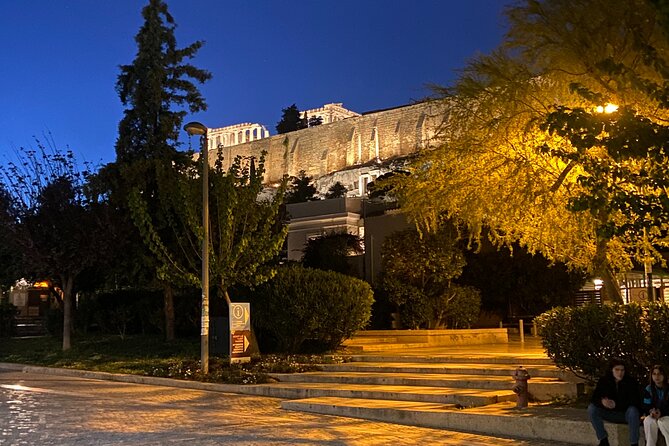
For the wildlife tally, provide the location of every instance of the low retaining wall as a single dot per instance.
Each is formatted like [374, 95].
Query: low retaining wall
[435, 337]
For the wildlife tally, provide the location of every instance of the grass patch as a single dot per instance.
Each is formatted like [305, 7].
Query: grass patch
[152, 356]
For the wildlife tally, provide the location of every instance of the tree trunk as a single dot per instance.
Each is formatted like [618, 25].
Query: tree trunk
[67, 312]
[611, 292]
[168, 308]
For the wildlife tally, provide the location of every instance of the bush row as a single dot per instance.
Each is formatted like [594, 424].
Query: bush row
[134, 311]
[299, 310]
[583, 339]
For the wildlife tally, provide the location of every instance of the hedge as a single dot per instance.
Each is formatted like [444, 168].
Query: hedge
[583, 339]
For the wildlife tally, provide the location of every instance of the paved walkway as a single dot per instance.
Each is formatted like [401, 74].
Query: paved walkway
[48, 410]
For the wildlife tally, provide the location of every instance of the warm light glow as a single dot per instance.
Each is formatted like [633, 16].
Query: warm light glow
[607, 108]
[598, 283]
[42, 284]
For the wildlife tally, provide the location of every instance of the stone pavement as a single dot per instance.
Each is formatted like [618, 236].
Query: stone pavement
[47, 410]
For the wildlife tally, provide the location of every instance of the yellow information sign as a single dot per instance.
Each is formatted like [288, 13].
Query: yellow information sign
[240, 332]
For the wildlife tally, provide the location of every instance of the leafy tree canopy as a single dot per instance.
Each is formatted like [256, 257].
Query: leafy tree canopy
[58, 230]
[418, 274]
[331, 251]
[245, 236]
[314, 121]
[528, 152]
[157, 90]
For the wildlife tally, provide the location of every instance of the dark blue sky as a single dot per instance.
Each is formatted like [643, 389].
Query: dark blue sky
[60, 59]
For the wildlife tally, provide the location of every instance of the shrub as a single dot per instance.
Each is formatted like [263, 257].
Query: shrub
[583, 339]
[461, 306]
[303, 307]
[7, 313]
[122, 312]
[418, 275]
[456, 307]
[333, 252]
[141, 311]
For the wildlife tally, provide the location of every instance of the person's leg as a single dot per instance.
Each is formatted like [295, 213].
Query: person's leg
[663, 425]
[650, 427]
[596, 417]
[632, 417]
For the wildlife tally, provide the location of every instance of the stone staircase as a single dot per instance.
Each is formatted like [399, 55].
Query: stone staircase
[469, 392]
[425, 380]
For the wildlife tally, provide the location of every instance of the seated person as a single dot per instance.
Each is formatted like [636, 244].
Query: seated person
[616, 399]
[656, 405]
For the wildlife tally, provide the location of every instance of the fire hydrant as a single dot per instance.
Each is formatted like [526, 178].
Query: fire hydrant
[520, 387]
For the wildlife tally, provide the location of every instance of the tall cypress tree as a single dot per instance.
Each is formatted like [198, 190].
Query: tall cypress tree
[158, 88]
[153, 86]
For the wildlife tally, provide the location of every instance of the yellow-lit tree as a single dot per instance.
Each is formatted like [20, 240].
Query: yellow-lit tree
[512, 157]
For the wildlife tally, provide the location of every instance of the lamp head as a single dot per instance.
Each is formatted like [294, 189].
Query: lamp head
[195, 128]
[607, 108]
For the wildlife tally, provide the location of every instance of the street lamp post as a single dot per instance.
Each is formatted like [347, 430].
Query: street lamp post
[196, 128]
[648, 268]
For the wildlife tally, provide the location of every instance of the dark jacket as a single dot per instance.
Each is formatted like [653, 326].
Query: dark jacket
[625, 393]
[656, 400]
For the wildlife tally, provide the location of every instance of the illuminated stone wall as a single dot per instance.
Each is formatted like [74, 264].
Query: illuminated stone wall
[338, 146]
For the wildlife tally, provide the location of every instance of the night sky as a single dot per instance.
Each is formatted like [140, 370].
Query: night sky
[59, 59]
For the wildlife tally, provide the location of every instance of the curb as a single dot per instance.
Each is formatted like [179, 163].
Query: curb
[133, 379]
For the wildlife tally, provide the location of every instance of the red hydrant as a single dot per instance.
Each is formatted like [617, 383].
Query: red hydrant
[520, 387]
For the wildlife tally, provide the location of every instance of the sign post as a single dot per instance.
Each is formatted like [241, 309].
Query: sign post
[240, 332]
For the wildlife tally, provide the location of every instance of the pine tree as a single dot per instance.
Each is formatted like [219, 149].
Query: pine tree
[301, 189]
[291, 120]
[337, 190]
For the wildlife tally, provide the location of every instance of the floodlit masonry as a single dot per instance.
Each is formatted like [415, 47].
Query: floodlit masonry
[236, 134]
[351, 150]
[330, 113]
[250, 131]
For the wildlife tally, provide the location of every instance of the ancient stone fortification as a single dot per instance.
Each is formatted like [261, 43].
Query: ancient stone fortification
[365, 140]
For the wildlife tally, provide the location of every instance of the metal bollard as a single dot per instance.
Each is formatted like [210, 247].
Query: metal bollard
[521, 330]
[520, 387]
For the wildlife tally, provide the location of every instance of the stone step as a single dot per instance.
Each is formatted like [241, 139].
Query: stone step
[539, 371]
[29, 326]
[542, 389]
[374, 339]
[554, 426]
[383, 347]
[441, 395]
[509, 359]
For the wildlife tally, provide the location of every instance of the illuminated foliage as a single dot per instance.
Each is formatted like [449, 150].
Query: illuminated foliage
[525, 151]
